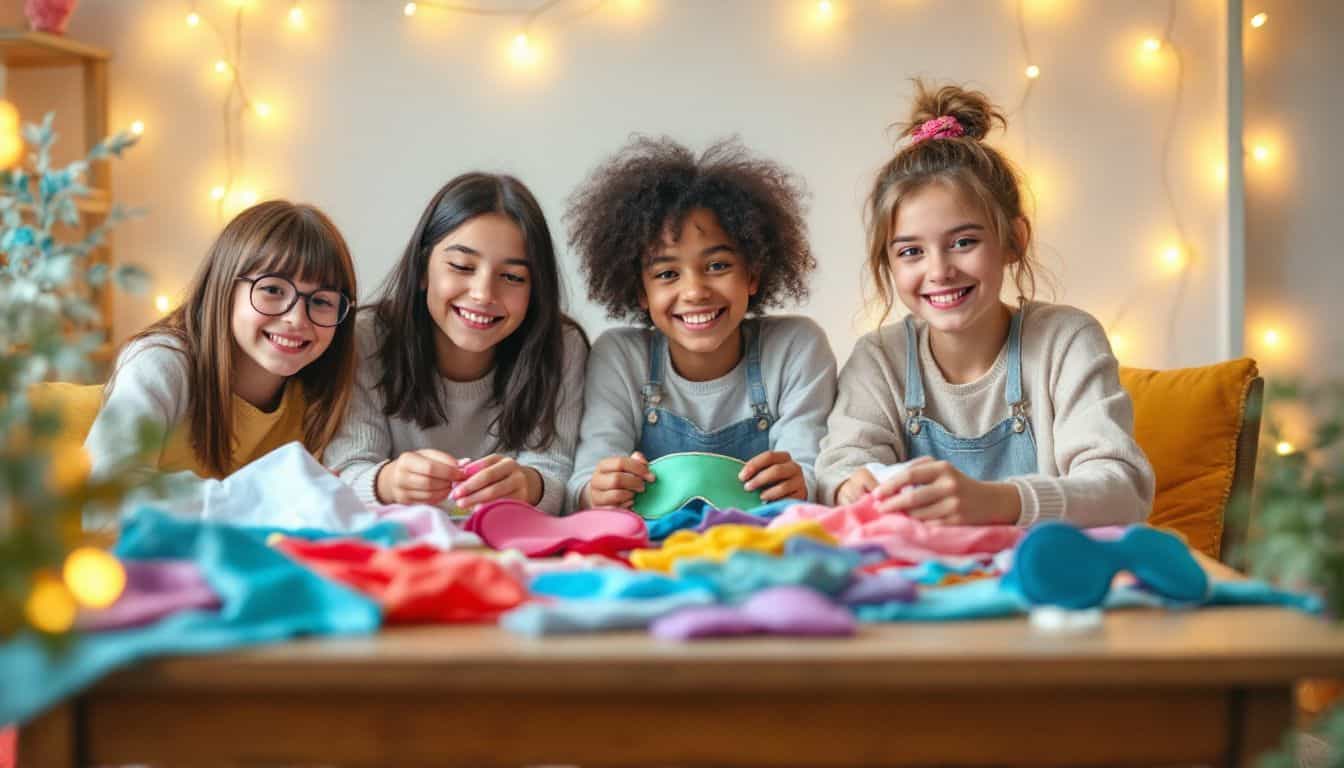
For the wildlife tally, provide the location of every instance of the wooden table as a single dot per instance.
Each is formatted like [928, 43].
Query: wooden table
[1150, 687]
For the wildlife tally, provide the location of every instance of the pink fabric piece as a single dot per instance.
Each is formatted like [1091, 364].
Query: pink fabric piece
[510, 524]
[945, 127]
[154, 589]
[904, 537]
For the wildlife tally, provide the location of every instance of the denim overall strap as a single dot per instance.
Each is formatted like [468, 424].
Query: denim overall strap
[652, 390]
[760, 402]
[1017, 402]
[914, 380]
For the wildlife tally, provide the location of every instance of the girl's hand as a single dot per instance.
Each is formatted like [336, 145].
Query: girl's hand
[616, 481]
[855, 486]
[937, 492]
[497, 477]
[777, 473]
[417, 477]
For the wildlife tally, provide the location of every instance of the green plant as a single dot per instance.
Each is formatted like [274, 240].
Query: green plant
[1296, 519]
[48, 329]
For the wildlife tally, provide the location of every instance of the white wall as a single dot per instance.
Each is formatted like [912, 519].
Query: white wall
[375, 110]
[1294, 230]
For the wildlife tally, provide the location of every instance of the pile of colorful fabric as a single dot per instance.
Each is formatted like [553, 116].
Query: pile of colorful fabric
[784, 568]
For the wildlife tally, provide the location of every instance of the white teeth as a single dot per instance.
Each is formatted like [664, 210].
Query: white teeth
[700, 318]
[282, 341]
[476, 317]
[948, 298]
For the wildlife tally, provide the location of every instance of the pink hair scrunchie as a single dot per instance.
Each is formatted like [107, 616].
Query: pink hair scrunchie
[945, 127]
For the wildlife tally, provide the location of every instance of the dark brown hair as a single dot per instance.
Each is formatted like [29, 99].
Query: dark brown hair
[529, 363]
[619, 215]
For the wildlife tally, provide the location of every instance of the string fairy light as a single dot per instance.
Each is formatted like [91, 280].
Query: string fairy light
[1177, 258]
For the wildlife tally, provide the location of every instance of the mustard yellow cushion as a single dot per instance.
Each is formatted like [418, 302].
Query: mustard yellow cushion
[78, 406]
[1187, 421]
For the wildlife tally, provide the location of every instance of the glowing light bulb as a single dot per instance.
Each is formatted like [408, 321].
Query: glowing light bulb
[296, 16]
[1260, 153]
[193, 19]
[262, 109]
[522, 52]
[1259, 19]
[1284, 448]
[50, 607]
[1152, 45]
[1173, 258]
[222, 67]
[1033, 72]
[94, 577]
[1220, 173]
[138, 127]
[11, 141]
[825, 8]
[249, 197]
[162, 304]
[217, 193]
[1118, 342]
[408, 9]
[1271, 337]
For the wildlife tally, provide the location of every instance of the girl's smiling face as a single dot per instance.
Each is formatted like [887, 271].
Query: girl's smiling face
[477, 288]
[946, 263]
[696, 287]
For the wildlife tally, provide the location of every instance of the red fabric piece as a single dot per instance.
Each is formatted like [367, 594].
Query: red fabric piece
[511, 524]
[414, 583]
[9, 743]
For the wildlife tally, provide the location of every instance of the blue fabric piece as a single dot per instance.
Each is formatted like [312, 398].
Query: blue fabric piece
[578, 616]
[265, 597]
[693, 512]
[932, 572]
[611, 584]
[746, 572]
[1058, 564]
[852, 556]
[987, 599]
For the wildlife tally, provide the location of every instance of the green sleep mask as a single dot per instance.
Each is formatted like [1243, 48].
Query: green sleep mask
[683, 477]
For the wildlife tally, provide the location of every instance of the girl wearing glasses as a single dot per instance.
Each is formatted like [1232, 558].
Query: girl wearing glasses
[470, 385]
[261, 352]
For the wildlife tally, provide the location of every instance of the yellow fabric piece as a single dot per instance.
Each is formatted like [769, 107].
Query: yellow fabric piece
[719, 542]
[1187, 421]
[255, 432]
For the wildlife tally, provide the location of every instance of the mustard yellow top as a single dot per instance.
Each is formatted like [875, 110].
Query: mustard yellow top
[151, 385]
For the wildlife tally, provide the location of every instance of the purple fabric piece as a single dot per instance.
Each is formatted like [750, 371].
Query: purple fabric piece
[715, 517]
[871, 553]
[788, 610]
[881, 587]
[154, 589]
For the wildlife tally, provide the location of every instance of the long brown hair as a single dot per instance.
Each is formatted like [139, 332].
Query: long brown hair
[278, 236]
[529, 363]
[966, 163]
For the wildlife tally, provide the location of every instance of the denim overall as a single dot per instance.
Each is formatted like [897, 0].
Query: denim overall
[665, 432]
[1007, 450]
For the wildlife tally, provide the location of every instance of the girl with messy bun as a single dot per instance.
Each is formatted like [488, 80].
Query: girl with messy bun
[1007, 413]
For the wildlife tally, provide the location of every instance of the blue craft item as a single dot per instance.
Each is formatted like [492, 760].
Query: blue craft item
[1057, 564]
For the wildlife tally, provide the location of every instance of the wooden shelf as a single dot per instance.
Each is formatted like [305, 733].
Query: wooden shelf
[23, 48]
[97, 203]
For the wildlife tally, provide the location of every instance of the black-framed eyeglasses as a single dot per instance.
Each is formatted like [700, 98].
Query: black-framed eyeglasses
[274, 295]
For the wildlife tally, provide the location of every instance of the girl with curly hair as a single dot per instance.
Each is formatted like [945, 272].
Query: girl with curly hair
[697, 249]
[1011, 414]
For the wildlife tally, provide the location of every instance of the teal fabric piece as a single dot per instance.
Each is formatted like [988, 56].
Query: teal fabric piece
[581, 616]
[744, 573]
[611, 584]
[692, 514]
[682, 477]
[265, 597]
[1058, 564]
[987, 598]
